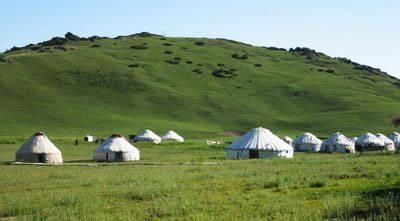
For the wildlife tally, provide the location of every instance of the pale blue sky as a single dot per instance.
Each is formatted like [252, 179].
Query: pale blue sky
[365, 31]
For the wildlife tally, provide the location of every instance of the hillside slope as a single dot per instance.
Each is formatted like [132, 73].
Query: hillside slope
[199, 87]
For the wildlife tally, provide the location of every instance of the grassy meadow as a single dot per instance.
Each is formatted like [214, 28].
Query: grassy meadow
[194, 181]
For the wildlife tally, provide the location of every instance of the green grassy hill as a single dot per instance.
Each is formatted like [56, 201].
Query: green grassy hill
[197, 86]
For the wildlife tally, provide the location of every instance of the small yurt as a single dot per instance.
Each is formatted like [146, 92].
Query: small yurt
[395, 137]
[389, 144]
[288, 140]
[307, 142]
[172, 136]
[116, 148]
[259, 143]
[338, 143]
[39, 149]
[147, 136]
[369, 141]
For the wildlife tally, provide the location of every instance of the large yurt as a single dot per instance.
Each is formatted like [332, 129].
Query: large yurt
[307, 142]
[338, 143]
[116, 148]
[288, 140]
[395, 137]
[39, 149]
[172, 136]
[389, 144]
[147, 136]
[259, 143]
[369, 141]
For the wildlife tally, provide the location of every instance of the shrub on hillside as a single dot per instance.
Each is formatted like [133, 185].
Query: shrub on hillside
[189, 62]
[177, 58]
[257, 65]
[35, 47]
[200, 43]
[95, 46]
[184, 48]
[134, 65]
[222, 73]
[241, 57]
[233, 69]
[172, 62]
[168, 52]
[167, 44]
[200, 65]
[60, 47]
[220, 65]
[330, 71]
[198, 71]
[144, 35]
[139, 47]
[71, 37]
[163, 38]
[54, 41]
[275, 49]
[93, 38]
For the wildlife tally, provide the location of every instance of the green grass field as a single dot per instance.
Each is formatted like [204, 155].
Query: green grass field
[194, 181]
[167, 83]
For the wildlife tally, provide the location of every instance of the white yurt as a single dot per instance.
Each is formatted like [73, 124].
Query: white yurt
[395, 137]
[259, 143]
[389, 144]
[39, 149]
[148, 136]
[307, 142]
[116, 148]
[172, 136]
[338, 143]
[369, 141]
[288, 140]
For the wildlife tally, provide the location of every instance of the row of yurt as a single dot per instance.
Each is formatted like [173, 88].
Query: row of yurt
[340, 143]
[39, 149]
[259, 143]
[150, 136]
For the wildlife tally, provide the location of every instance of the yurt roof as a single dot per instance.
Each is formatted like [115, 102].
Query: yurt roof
[148, 134]
[39, 143]
[307, 138]
[172, 135]
[260, 139]
[116, 143]
[369, 139]
[384, 138]
[338, 138]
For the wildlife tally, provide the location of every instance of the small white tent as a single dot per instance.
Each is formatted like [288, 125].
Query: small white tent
[116, 148]
[288, 140]
[307, 142]
[259, 143]
[39, 149]
[389, 144]
[148, 136]
[369, 141]
[173, 136]
[395, 137]
[338, 143]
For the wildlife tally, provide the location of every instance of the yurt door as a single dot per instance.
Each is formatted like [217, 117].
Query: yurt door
[42, 158]
[118, 156]
[253, 154]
